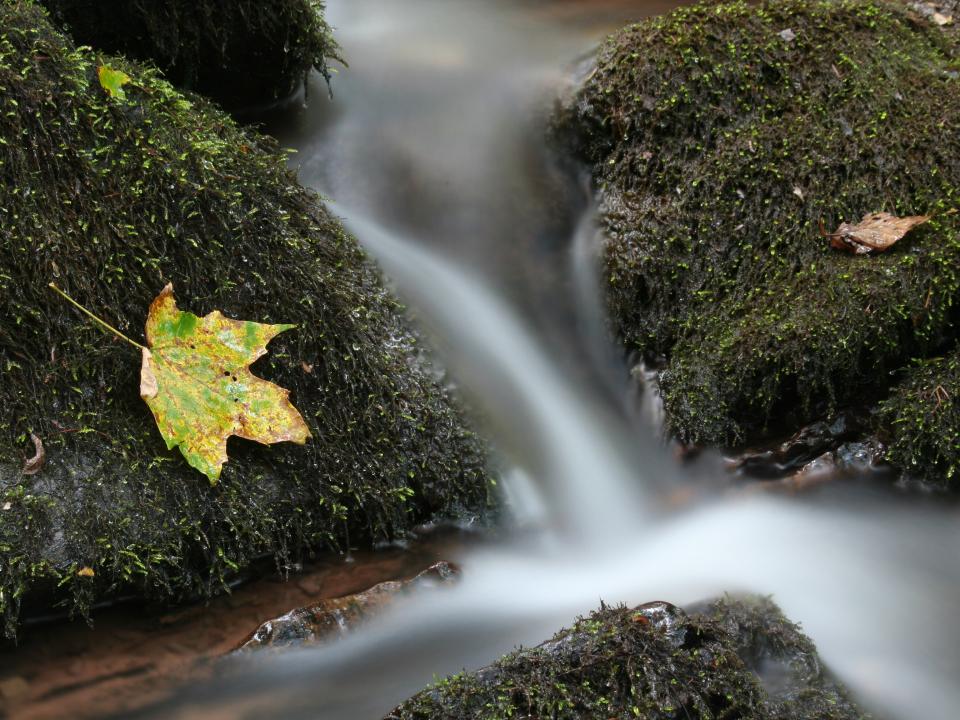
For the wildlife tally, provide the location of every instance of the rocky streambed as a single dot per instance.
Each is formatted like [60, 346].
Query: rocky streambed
[137, 654]
[722, 143]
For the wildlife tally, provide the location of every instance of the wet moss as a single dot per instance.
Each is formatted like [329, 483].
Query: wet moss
[654, 662]
[240, 53]
[720, 137]
[810, 340]
[112, 198]
[922, 416]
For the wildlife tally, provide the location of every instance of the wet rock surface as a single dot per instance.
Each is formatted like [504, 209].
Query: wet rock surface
[112, 198]
[940, 13]
[845, 446]
[823, 450]
[330, 619]
[135, 655]
[725, 659]
[719, 143]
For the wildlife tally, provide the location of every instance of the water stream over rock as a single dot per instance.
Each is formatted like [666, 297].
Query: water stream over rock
[434, 153]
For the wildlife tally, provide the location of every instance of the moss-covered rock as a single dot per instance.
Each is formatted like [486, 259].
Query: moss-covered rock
[922, 416]
[654, 663]
[721, 135]
[241, 53]
[112, 198]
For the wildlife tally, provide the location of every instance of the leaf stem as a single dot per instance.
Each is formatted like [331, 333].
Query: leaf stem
[93, 317]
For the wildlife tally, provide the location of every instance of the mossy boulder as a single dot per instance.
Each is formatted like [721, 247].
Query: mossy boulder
[112, 198]
[241, 53]
[721, 136]
[654, 662]
[922, 416]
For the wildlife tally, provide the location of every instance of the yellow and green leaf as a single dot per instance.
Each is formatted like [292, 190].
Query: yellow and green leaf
[113, 81]
[196, 379]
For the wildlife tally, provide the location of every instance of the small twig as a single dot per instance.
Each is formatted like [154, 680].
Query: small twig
[93, 317]
[941, 395]
[32, 466]
[824, 233]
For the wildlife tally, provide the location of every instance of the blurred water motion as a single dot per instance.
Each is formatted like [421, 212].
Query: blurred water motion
[433, 149]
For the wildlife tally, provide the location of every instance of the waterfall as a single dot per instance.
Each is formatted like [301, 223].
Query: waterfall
[433, 151]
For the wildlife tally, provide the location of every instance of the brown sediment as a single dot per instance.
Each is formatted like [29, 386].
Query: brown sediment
[133, 657]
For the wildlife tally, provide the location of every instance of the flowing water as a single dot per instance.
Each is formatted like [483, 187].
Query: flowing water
[433, 152]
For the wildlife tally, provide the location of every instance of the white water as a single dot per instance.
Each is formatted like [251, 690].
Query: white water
[430, 152]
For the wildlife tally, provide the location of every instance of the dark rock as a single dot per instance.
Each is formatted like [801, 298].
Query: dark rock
[727, 659]
[939, 13]
[240, 53]
[796, 683]
[329, 619]
[718, 148]
[665, 618]
[820, 467]
[807, 446]
[859, 456]
[809, 441]
[114, 198]
[922, 420]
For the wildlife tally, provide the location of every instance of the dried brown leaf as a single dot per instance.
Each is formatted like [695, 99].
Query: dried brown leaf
[876, 232]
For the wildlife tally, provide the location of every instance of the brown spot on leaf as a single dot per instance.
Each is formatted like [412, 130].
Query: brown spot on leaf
[148, 378]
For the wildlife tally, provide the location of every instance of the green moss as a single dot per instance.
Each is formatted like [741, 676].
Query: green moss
[718, 147]
[922, 416]
[651, 663]
[806, 341]
[241, 53]
[112, 199]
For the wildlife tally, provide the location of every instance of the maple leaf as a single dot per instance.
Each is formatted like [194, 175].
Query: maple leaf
[197, 382]
[112, 81]
[876, 232]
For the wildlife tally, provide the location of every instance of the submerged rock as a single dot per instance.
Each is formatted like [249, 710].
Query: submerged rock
[727, 659]
[112, 198]
[329, 619]
[817, 452]
[241, 53]
[719, 145]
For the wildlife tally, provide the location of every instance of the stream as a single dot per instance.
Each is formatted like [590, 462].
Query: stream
[433, 151]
